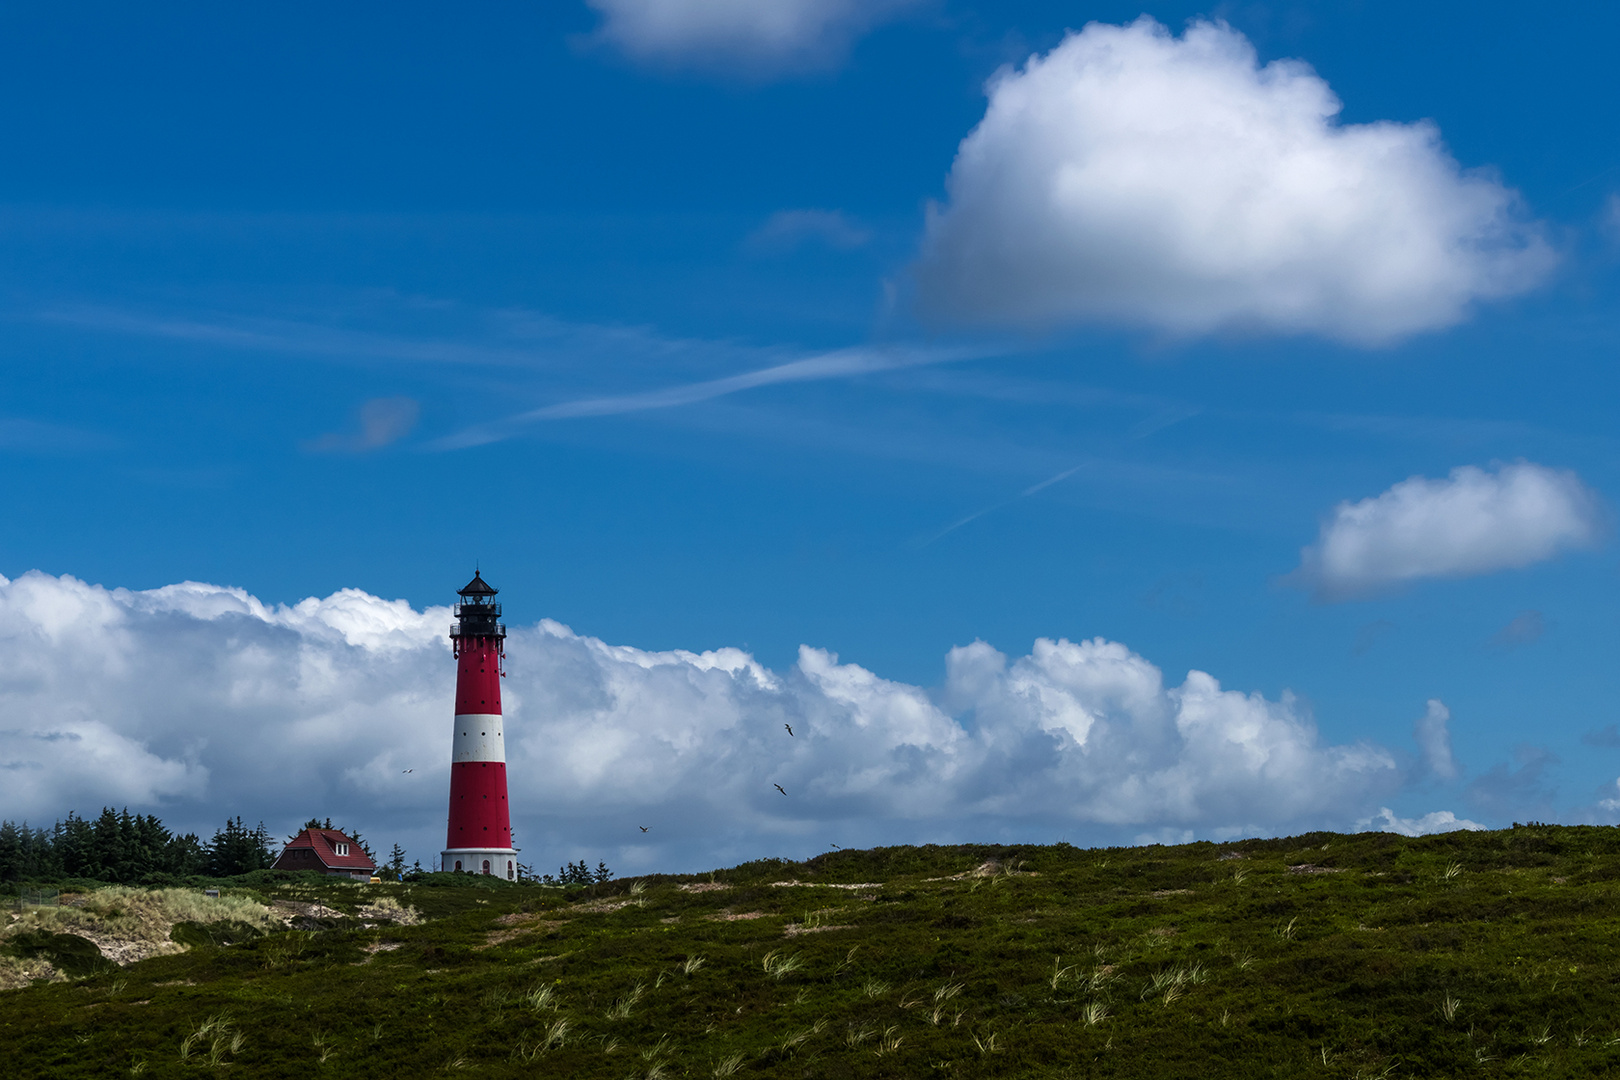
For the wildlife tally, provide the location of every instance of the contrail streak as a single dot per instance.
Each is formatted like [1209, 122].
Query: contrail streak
[1026, 493]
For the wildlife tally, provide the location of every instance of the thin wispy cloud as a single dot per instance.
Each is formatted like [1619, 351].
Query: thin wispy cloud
[21, 435]
[518, 338]
[839, 364]
[282, 336]
[383, 421]
[493, 337]
[786, 230]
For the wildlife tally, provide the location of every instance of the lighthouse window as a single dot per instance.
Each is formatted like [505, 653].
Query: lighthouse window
[486, 866]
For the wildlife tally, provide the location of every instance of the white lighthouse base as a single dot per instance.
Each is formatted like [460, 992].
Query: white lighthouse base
[497, 862]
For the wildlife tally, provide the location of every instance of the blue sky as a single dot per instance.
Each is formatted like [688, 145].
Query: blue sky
[696, 339]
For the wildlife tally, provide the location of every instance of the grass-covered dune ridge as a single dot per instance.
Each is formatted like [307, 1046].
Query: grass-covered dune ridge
[124, 924]
[1468, 954]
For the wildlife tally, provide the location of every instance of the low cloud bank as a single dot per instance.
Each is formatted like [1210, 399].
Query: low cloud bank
[196, 701]
[1134, 177]
[1440, 821]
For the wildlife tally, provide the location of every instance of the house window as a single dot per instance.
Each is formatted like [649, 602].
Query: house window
[343, 849]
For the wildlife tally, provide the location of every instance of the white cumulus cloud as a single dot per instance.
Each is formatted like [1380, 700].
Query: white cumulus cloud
[198, 701]
[1133, 177]
[751, 36]
[1472, 522]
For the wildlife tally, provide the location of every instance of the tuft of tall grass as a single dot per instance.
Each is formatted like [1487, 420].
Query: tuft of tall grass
[285, 949]
[800, 1037]
[1094, 1013]
[1172, 982]
[620, 1009]
[692, 964]
[543, 996]
[1099, 979]
[777, 965]
[728, 1066]
[214, 1038]
[874, 988]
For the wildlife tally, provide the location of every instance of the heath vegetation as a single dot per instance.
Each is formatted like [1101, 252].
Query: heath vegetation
[1489, 954]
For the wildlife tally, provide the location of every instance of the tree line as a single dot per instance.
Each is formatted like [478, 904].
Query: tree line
[121, 848]
[129, 849]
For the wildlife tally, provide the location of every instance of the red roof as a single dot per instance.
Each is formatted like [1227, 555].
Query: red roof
[320, 846]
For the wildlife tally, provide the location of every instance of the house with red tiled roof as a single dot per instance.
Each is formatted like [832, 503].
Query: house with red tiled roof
[326, 851]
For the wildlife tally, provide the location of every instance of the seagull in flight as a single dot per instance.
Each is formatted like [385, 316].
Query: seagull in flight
[407, 770]
[778, 787]
[643, 828]
[790, 729]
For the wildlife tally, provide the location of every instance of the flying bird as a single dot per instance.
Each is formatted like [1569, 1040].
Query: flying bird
[790, 729]
[778, 787]
[407, 770]
[643, 828]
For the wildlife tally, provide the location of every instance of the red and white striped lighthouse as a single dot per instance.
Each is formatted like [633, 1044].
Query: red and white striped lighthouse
[479, 839]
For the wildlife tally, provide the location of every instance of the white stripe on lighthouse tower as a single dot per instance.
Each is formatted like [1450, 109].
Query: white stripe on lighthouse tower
[478, 738]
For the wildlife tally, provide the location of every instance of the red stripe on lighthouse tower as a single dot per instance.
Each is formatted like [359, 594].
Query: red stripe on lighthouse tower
[479, 834]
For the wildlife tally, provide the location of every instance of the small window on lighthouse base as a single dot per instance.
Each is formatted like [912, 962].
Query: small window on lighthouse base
[486, 866]
[509, 874]
[458, 866]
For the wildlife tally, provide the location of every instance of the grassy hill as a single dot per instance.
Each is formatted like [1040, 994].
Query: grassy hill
[1463, 955]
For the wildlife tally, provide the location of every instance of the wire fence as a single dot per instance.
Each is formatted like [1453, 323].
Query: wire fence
[28, 898]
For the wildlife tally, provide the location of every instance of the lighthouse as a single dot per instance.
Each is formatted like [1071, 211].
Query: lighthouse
[479, 838]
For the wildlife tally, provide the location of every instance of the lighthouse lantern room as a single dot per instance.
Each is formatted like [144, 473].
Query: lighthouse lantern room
[479, 838]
